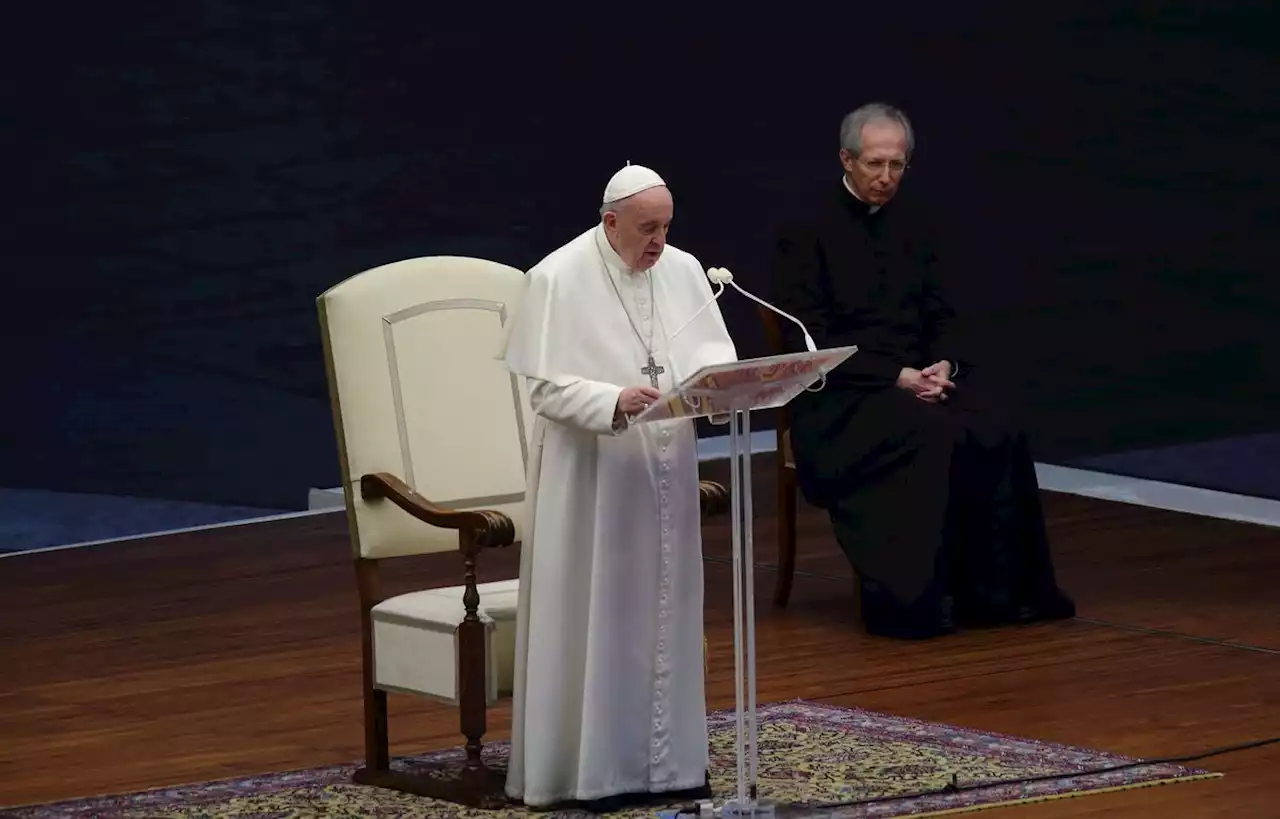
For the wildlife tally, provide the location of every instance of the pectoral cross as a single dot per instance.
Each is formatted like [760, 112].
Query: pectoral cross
[653, 371]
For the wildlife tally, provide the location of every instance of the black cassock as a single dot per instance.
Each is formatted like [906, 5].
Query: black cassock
[936, 505]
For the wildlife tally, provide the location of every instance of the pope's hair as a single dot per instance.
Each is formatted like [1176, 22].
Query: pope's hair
[613, 207]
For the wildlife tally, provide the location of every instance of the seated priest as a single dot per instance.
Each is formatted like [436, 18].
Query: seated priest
[930, 486]
[609, 705]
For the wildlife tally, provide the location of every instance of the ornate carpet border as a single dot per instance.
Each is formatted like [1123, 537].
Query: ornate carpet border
[1076, 771]
[1082, 770]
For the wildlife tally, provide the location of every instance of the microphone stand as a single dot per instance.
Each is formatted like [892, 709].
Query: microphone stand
[746, 803]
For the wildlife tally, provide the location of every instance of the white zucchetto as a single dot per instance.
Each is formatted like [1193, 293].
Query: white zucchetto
[629, 181]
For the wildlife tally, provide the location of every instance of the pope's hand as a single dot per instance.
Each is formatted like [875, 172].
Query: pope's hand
[634, 400]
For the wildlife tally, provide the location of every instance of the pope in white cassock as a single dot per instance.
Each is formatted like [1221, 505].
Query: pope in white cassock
[609, 698]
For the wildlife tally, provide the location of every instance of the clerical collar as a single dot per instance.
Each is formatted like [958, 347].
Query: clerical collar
[611, 257]
[870, 208]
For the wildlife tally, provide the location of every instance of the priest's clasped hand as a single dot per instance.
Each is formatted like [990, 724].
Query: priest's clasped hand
[930, 384]
[634, 400]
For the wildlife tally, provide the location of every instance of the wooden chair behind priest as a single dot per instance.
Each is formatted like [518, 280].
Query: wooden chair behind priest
[788, 488]
[433, 437]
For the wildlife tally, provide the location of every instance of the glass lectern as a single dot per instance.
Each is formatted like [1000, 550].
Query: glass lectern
[735, 389]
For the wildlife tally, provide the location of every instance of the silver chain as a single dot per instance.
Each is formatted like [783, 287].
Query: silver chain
[648, 347]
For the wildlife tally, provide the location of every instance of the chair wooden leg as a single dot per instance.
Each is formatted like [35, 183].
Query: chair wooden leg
[377, 746]
[786, 536]
[472, 681]
[473, 784]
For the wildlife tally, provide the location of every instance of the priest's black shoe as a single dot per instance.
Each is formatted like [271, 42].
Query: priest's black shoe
[989, 613]
[1054, 604]
[932, 615]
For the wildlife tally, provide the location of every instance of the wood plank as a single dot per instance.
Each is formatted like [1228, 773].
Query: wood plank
[1124, 564]
[235, 651]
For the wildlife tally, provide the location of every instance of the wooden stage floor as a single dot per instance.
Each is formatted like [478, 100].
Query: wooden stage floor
[235, 651]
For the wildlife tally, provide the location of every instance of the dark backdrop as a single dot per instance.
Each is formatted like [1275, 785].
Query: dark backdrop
[184, 181]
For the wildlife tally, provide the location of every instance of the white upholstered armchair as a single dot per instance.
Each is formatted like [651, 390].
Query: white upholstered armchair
[432, 440]
[433, 434]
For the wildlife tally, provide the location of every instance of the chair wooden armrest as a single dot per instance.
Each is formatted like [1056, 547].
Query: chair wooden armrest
[475, 785]
[714, 498]
[486, 528]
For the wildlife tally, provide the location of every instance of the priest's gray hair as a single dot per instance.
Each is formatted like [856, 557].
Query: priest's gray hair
[853, 123]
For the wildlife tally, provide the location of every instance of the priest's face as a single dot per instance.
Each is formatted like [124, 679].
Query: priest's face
[637, 230]
[876, 172]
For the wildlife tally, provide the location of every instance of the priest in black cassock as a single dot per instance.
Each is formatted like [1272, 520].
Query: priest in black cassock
[930, 485]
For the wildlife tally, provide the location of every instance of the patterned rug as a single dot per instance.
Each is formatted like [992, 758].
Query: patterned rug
[810, 755]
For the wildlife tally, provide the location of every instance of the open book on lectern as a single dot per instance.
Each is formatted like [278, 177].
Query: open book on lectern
[753, 384]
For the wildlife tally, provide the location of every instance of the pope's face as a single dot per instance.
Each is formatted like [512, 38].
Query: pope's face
[876, 174]
[638, 228]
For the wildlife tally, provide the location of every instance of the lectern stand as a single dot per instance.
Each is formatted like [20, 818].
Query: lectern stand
[735, 390]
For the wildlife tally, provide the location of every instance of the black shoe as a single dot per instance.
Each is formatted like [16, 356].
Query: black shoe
[626, 801]
[979, 607]
[932, 615]
[1052, 605]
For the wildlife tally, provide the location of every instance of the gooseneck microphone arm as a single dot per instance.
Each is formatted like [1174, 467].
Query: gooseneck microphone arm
[720, 277]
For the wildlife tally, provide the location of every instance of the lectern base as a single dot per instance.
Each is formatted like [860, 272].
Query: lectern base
[760, 809]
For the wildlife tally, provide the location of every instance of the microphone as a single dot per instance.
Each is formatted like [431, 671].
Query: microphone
[721, 276]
